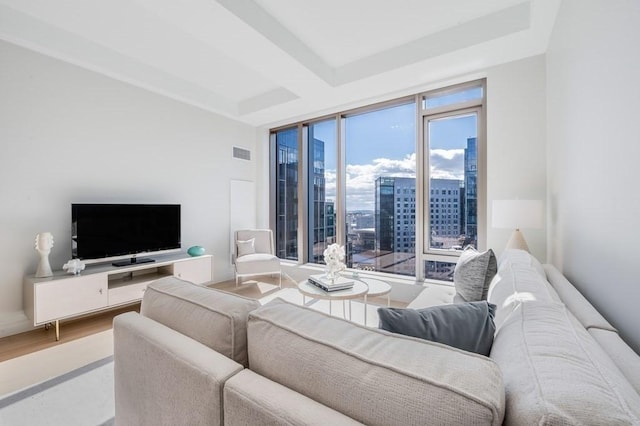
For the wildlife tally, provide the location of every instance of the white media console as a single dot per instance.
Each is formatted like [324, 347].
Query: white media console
[104, 287]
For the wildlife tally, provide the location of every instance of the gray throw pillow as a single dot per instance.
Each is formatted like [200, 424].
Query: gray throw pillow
[473, 274]
[466, 326]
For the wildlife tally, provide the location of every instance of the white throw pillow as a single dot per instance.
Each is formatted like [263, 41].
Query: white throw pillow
[246, 247]
[473, 274]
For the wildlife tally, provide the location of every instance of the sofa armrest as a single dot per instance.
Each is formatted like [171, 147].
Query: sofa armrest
[621, 354]
[579, 306]
[163, 377]
[251, 399]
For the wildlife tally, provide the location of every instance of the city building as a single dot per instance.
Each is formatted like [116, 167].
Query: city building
[445, 205]
[395, 214]
[470, 204]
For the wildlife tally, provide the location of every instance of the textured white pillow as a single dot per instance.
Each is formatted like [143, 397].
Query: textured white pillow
[473, 274]
[246, 247]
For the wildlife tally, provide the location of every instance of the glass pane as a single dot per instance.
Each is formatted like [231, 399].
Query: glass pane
[442, 271]
[381, 190]
[321, 138]
[437, 100]
[287, 194]
[452, 182]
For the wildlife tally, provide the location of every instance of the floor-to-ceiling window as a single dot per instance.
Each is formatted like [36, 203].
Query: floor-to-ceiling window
[380, 189]
[451, 123]
[320, 139]
[399, 184]
[286, 192]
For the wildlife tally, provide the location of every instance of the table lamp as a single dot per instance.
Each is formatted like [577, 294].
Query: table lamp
[517, 214]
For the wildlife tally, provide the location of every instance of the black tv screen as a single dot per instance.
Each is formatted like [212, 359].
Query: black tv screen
[118, 230]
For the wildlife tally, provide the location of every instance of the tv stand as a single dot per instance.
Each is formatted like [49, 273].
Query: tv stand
[98, 288]
[133, 261]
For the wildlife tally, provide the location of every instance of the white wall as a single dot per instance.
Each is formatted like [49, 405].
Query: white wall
[516, 139]
[593, 71]
[70, 135]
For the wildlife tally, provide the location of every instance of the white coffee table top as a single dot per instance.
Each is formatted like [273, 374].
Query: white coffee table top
[358, 290]
[376, 287]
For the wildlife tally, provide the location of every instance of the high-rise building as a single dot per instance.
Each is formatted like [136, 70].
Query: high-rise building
[471, 192]
[395, 214]
[445, 212]
[287, 195]
[322, 220]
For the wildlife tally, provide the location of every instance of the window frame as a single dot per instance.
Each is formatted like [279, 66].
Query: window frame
[422, 213]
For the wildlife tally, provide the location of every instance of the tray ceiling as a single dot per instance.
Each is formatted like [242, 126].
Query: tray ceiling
[264, 62]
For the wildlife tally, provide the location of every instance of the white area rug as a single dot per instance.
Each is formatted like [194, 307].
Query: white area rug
[80, 397]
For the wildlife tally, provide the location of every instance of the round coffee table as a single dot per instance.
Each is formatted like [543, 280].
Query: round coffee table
[358, 290]
[376, 288]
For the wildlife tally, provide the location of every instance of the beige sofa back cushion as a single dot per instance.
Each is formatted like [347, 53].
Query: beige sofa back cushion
[212, 317]
[555, 373]
[519, 280]
[372, 376]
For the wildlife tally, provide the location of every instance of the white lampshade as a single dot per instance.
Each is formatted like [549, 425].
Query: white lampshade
[517, 214]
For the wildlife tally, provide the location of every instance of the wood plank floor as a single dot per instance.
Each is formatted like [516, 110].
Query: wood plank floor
[36, 340]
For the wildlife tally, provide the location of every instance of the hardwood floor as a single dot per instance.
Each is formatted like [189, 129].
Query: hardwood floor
[36, 340]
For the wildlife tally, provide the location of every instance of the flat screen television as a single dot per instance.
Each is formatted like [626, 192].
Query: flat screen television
[105, 232]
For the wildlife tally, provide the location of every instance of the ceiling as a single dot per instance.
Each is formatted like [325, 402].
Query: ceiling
[266, 62]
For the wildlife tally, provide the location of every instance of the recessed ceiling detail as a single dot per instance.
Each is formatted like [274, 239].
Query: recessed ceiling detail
[264, 62]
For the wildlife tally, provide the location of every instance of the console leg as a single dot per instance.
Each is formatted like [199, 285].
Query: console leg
[57, 330]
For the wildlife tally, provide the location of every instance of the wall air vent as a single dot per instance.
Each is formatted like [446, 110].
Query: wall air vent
[241, 153]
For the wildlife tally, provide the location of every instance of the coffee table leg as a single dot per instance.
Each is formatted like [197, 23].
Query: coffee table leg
[365, 309]
[330, 307]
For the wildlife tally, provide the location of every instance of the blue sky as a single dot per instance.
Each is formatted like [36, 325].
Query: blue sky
[383, 143]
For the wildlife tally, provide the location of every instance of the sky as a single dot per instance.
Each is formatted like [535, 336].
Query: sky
[382, 143]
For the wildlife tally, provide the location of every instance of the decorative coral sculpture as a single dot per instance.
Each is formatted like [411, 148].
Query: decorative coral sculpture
[74, 266]
[334, 259]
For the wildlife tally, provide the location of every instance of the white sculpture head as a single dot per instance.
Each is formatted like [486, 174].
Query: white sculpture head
[44, 241]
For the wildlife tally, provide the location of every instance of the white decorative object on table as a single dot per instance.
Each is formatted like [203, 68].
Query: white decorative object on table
[44, 244]
[334, 259]
[74, 266]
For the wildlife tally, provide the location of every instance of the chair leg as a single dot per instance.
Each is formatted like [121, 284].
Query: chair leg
[236, 280]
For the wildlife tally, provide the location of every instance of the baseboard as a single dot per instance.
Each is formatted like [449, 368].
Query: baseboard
[14, 323]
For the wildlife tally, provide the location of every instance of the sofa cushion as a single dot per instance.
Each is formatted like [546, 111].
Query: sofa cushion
[555, 373]
[434, 295]
[212, 317]
[515, 283]
[473, 274]
[372, 376]
[251, 399]
[521, 258]
[467, 326]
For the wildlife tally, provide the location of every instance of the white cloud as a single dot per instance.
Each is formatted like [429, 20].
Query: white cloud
[445, 164]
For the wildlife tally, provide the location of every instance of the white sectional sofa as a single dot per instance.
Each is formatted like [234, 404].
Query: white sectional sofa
[199, 356]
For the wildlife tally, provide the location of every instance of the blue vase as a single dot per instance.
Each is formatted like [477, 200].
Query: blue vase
[195, 251]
